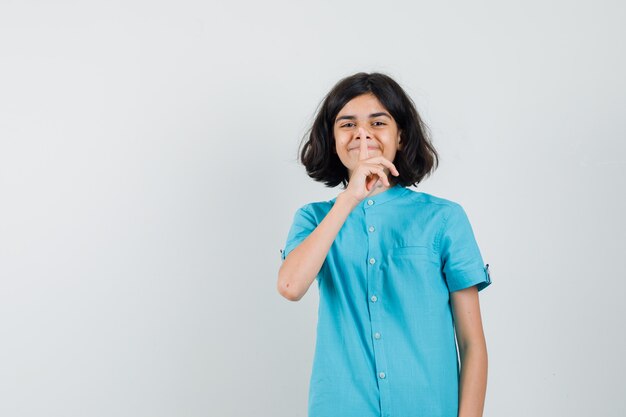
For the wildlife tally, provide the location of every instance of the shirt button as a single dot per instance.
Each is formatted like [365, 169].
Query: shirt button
[372, 261]
[374, 298]
[371, 229]
[376, 335]
[370, 202]
[381, 375]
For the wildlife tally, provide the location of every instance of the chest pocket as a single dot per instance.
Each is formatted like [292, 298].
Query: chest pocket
[419, 254]
[415, 271]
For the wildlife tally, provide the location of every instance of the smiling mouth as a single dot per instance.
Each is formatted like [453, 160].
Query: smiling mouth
[371, 149]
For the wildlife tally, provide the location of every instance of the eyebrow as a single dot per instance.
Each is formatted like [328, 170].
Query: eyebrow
[351, 117]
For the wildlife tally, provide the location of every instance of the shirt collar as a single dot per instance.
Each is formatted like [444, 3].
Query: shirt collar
[380, 198]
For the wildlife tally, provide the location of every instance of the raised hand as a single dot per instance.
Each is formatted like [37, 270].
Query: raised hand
[369, 171]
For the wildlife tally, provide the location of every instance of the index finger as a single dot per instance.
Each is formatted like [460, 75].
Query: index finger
[363, 151]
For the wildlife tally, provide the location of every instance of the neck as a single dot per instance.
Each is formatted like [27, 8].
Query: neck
[380, 187]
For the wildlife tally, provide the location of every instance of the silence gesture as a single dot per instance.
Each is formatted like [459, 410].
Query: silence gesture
[368, 171]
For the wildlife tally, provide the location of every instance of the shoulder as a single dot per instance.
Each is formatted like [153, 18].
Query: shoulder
[315, 210]
[317, 206]
[435, 202]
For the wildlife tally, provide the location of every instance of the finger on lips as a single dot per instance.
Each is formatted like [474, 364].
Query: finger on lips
[363, 151]
[365, 154]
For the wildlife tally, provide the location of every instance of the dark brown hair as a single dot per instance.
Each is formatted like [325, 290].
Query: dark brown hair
[415, 160]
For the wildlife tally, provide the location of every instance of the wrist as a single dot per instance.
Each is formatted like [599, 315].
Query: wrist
[347, 200]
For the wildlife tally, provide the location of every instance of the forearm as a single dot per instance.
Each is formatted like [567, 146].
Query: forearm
[473, 380]
[304, 262]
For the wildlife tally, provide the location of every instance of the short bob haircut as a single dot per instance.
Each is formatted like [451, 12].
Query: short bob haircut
[417, 158]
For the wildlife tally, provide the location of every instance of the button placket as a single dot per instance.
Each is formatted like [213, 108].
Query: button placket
[374, 283]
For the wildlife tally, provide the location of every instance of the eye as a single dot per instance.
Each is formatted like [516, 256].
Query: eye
[346, 125]
[381, 123]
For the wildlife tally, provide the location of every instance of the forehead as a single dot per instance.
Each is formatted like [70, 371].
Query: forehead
[362, 106]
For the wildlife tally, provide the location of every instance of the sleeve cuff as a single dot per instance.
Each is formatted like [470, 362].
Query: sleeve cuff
[465, 279]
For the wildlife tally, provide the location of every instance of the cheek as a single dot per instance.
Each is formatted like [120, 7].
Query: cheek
[340, 143]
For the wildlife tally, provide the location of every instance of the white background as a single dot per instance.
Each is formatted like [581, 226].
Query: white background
[148, 177]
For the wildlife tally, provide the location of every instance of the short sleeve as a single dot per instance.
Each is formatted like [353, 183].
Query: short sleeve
[301, 227]
[462, 262]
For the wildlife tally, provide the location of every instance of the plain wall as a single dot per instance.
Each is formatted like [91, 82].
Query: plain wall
[148, 178]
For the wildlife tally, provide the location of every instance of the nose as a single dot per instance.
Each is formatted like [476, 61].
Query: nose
[363, 134]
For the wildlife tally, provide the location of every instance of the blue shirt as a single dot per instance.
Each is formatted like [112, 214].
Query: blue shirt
[385, 334]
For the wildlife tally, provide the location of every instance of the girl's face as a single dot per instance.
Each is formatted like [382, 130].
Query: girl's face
[365, 118]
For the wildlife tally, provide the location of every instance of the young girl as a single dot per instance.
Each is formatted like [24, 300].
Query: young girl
[398, 271]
